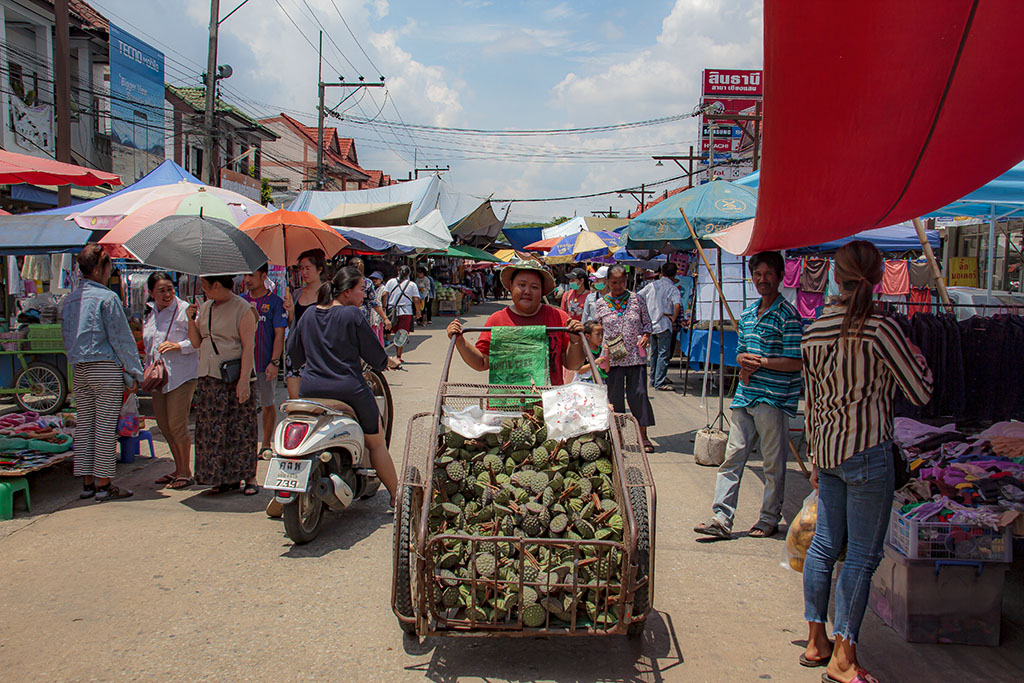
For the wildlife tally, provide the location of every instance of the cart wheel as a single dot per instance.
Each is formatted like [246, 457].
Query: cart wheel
[642, 597]
[382, 393]
[403, 562]
[47, 388]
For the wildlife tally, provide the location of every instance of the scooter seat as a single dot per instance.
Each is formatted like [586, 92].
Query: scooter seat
[306, 405]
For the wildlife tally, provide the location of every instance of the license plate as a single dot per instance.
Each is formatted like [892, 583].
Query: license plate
[288, 475]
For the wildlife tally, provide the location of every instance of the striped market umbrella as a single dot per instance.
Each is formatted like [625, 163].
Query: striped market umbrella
[583, 246]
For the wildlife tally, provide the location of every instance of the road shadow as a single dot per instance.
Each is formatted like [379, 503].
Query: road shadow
[646, 658]
[231, 501]
[342, 530]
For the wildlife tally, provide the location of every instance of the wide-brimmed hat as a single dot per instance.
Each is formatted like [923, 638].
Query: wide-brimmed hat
[509, 272]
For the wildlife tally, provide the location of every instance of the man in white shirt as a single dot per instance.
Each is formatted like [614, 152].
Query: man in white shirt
[598, 280]
[402, 303]
[663, 302]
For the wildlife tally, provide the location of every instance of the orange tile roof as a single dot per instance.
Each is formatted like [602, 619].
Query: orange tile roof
[330, 136]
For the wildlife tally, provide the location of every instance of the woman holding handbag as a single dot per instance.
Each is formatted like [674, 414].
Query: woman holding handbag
[227, 405]
[172, 364]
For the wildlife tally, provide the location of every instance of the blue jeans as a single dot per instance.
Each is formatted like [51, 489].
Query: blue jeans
[854, 502]
[758, 424]
[661, 349]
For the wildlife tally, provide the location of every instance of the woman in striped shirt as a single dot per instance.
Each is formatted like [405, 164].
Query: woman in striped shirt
[854, 361]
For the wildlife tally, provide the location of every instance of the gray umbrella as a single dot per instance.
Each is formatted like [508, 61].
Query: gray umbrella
[196, 245]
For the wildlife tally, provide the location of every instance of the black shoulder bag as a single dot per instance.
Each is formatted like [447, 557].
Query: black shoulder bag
[230, 370]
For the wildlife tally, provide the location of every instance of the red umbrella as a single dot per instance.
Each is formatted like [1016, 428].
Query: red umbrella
[543, 245]
[22, 168]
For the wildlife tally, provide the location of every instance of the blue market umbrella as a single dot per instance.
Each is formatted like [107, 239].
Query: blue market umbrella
[583, 246]
[710, 207]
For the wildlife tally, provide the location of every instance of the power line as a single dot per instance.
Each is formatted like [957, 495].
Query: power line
[358, 44]
[541, 131]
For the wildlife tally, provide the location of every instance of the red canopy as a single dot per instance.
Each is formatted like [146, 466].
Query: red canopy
[880, 111]
[22, 168]
[543, 245]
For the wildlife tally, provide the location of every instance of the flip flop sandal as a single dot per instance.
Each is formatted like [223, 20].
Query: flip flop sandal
[266, 454]
[812, 663]
[251, 489]
[861, 677]
[648, 447]
[166, 479]
[188, 481]
[761, 532]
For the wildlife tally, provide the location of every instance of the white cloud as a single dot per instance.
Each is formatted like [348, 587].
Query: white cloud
[559, 11]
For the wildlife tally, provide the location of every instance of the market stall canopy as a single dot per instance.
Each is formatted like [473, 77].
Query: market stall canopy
[506, 255]
[429, 233]
[1000, 198]
[710, 208]
[891, 94]
[167, 173]
[25, 234]
[480, 225]
[543, 245]
[526, 237]
[893, 239]
[22, 168]
[369, 215]
[465, 251]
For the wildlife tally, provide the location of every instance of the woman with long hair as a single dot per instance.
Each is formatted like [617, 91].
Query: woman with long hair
[854, 362]
[312, 268]
[165, 336]
[329, 344]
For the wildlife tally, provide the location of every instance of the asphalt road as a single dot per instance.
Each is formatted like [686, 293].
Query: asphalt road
[184, 586]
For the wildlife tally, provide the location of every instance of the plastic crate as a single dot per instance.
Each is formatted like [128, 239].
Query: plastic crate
[939, 601]
[946, 541]
[45, 338]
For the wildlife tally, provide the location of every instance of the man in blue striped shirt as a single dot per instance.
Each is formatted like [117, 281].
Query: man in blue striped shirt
[768, 354]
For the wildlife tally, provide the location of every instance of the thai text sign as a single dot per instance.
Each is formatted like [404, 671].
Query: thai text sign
[733, 82]
[963, 271]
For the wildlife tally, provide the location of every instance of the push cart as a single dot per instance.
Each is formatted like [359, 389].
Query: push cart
[626, 582]
[34, 369]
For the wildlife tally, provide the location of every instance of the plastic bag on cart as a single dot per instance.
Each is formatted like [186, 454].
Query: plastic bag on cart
[128, 423]
[800, 534]
[473, 422]
[576, 408]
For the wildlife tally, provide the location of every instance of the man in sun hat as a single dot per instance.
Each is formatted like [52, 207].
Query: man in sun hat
[528, 281]
[598, 280]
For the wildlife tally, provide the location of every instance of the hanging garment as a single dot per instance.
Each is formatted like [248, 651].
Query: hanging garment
[815, 275]
[831, 286]
[896, 278]
[792, 276]
[14, 283]
[36, 268]
[789, 294]
[918, 296]
[920, 274]
[807, 303]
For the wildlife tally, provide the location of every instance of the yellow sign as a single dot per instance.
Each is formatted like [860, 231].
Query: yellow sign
[963, 271]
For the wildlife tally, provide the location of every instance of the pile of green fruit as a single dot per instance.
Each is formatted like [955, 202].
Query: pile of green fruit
[520, 484]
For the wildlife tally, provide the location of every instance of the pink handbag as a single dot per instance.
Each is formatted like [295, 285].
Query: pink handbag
[154, 377]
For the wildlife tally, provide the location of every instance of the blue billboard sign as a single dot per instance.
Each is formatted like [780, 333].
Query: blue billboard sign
[136, 105]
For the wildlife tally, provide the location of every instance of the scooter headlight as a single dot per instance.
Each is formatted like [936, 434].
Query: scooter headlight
[294, 433]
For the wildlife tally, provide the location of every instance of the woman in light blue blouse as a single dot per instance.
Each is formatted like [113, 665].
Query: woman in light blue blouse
[105, 359]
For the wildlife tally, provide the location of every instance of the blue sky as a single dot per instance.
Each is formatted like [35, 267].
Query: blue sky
[509, 64]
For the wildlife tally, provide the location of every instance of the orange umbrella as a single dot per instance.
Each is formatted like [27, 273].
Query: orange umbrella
[283, 235]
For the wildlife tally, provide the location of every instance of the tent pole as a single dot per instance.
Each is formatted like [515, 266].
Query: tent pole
[926, 247]
[991, 249]
[721, 348]
[711, 273]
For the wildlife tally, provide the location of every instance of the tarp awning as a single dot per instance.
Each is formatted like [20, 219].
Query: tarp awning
[25, 234]
[429, 234]
[874, 105]
[369, 215]
[893, 239]
[480, 224]
[465, 251]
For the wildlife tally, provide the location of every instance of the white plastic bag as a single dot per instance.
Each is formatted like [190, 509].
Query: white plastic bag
[576, 408]
[473, 422]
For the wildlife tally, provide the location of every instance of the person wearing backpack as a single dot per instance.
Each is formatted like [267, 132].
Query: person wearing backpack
[403, 303]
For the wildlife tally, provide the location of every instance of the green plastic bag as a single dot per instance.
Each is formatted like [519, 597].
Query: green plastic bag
[518, 357]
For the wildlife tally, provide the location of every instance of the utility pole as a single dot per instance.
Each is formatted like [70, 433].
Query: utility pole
[640, 196]
[610, 213]
[321, 87]
[436, 169]
[62, 94]
[211, 94]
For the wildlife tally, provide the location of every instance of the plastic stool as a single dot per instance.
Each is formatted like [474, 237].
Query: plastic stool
[8, 487]
[130, 446]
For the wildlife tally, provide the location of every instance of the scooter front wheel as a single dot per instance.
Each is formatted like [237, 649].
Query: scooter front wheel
[304, 517]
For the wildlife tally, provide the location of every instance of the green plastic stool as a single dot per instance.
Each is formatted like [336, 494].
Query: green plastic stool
[8, 487]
